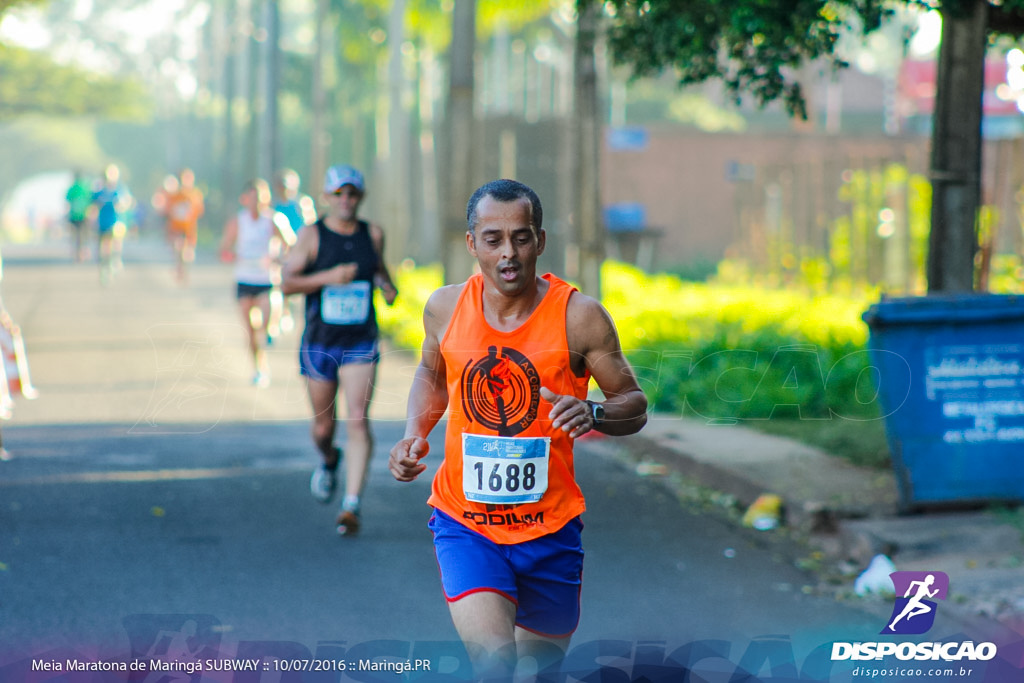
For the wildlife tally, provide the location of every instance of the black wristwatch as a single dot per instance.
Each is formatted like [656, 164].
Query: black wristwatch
[596, 412]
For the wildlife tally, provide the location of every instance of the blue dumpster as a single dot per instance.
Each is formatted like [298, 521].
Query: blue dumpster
[951, 384]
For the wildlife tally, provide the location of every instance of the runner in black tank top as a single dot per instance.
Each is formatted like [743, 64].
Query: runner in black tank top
[335, 248]
[335, 263]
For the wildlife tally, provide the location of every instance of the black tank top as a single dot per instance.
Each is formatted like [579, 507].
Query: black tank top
[346, 303]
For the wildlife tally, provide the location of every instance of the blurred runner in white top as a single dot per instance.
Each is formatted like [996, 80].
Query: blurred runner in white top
[255, 239]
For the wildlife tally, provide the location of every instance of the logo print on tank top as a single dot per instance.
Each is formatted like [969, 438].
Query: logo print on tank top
[501, 391]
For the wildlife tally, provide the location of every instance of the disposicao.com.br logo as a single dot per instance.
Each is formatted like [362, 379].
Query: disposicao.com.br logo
[913, 613]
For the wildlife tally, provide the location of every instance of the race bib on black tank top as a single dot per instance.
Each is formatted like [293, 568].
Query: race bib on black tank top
[340, 315]
[345, 304]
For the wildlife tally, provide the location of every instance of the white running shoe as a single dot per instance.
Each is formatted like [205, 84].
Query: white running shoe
[324, 481]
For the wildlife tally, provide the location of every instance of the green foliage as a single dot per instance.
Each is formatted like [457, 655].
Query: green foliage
[1007, 274]
[880, 240]
[429, 21]
[699, 111]
[751, 45]
[511, 16]
[919, 222]
[729, 352]
[697, 270]
[8, 4]
[362, 39]
[403, 322]
[31, 83]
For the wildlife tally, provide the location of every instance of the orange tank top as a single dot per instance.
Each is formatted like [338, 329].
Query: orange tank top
[184, 208]
[506, 472]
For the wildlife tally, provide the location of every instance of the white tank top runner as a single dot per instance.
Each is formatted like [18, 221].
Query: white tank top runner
[254, 249]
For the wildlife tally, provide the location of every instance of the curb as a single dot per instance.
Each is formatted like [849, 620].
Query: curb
[819, 491]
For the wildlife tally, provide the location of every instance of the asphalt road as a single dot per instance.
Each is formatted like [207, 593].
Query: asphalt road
[155, 498]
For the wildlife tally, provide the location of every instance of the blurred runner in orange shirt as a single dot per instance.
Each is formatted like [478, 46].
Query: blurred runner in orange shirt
[184, 207]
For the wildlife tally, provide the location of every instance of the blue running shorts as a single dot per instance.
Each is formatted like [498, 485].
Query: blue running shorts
[322, 362]
[542, 577]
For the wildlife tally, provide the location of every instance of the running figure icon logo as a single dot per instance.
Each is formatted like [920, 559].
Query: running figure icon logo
[501, 391]
[914, 612]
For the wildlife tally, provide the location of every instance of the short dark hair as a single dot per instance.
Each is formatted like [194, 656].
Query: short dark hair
[505, 190]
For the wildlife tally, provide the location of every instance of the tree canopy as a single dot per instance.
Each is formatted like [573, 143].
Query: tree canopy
[31, 83]
[752, 46]
[756, 46]
[7, 4]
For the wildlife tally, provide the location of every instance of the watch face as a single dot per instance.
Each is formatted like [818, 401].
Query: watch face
[598, 411]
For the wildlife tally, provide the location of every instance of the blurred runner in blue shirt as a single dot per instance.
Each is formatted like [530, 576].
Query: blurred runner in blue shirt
[300, 210]
[112, 202]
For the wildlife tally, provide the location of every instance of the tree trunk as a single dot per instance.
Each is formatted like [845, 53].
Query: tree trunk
[429, 224]
[318, 134]
[588, 225]
[397, 152]
[459, 174]
[271, 143]
[255, 106]
[229, 150]
[956, 150]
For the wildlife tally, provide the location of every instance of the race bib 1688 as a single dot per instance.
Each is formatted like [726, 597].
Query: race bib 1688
[504, 470]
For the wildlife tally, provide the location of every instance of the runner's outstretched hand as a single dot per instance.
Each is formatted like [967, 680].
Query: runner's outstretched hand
[404, 462]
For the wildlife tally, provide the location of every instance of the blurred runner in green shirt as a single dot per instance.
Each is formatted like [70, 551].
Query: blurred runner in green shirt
[79, 198]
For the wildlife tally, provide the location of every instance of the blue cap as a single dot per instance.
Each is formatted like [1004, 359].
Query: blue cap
[339, 176]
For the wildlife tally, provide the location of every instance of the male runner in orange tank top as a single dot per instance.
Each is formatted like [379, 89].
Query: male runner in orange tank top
[511, 353]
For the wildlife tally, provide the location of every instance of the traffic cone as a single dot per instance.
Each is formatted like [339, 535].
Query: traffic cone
[15, 362]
